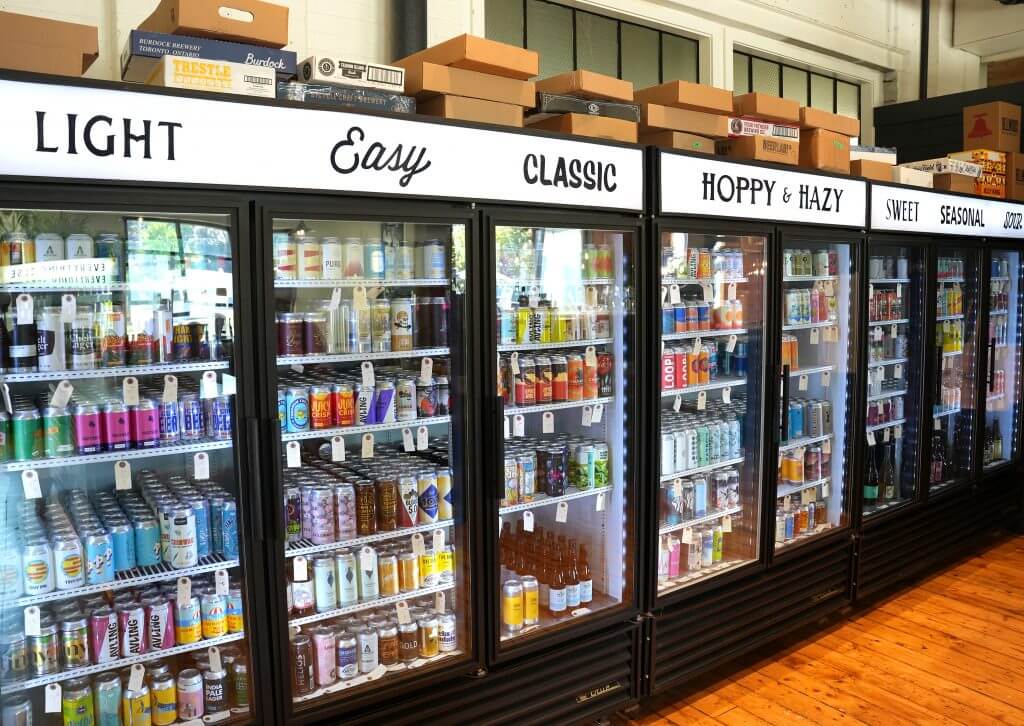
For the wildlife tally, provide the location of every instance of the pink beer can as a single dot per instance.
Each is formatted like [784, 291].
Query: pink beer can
[668, 370]
[132, 625]
[159, 622]
[144, 420]
[682, 366]
[116, 429]
[104, 635]
[325, 663]
[85, 420]
[345, 511]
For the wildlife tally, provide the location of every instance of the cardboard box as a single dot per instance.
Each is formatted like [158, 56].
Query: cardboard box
[143, 51]
[814, 118]
[329, 94]
[769, 108]
[760, 148]
[945, 165]
[884, 154]
[1015, 177]
[913, 177]
[587, 84]
[994, 125]
[691, 96]
[954, 183]
[244, 21]
[550, 103]
[597, 127]
[28, 43]
[757, 127]
[217, 76]
[679, 140]
[991, 162]
[479, 54]
[424, 80]
[654, 116]
[473, 109]
[330, 69]
[825, 150]
[874, 170]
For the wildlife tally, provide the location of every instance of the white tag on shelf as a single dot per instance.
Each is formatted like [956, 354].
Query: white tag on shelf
[599, 502]
[138, 674]
[220, 582]
[214, 654]
[208, 385]
[62, 394]
[547, 420]
[871, 438]
[335, 302]
[673, 294]
[707, 292]
[184, 589]
[426, 370]
[664, 293]
[534, 299]
[23, 305]
[696, 345]
[562, 512]
[298, 367]
[826, 489]
[130, 391]
[54, 698]
[367, 557]
[518, 425]
[815, 336]
[897, 371]
[877, 333]
[871, 291]
[937, 424]
[677, 403]
[417, 544]
[590, 357]
[201, 465]
[68, 308]
[358, 297]
[826, 378]
[880, 374]
[7, 398]
[727, 523]
[677, 486]
[588, 414]
[702, 400]
[727, 394]
[367, 446]
[527, 521]
[807, 496]
[170, 388]
[514, 362]
[894, 331]
[409, 445]
[802, 382]
[885, 436]
[897, 431]
[228, 384]
[826, 446]
[422, 438]
[687, 535]
[437, 540]
[508, 427]
[293, 455]
[899, 290]
[368, 377]
[731, 295]
[30, 484]
[730, 345]
[32, 621]
[122, 475]
[338, 448]
[402, 612]
[439, 602]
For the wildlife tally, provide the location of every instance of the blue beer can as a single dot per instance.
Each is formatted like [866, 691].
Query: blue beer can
[190, 412]
[297, 405]
[229, 529]
[147, 542]
[124, 546]
[219, 421]
[668, 320]
[201, 510]
[170, 422]
[216, 523]
[99, 556]
[282, 408]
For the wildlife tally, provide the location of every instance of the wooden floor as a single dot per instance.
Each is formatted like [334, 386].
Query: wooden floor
[950, 650]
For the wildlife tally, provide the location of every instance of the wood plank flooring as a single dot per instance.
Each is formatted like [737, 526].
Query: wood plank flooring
[950, 650]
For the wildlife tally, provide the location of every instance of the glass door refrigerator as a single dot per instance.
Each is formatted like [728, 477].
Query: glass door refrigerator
[128, 573]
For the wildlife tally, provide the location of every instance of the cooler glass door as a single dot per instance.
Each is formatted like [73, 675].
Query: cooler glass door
[896, 294]
[711, 377]
[818, 292]
[564, 312]
[370, 396]
[1002, 384]
[123, 585]
[957, 285]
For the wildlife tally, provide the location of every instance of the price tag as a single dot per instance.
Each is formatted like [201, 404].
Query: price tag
[338, 448]
[439, 602]
[590, 356]
[696, 345]
[534, 299]
[368, 377]
[897, 371]
[826, 446]
[547, 422]
[220, 581]
[335, 302]
[937, 424]
[730, 345]
[298, 367]
[68, 308]
[30, 484]
[54, 699]
[826, 489]
[677, 487]
[815, 336]
[599, 502]
[528, 521]
[899, 290]
[409, 445]
[588, 415]
[122, 475]
[871, 291]
[130, 391]
[826, 378]
[598, 413]
[673, 294]
[802, 382]
[880, 374]
[214, 653]
[508, 427]
[367, 558]
[727, 394]
[228, 385]
[422, 438]
[877, 333]
[885, 436]
[437, 540]
[807, 496]
[402, 611]
[367, 446]
[201, 466]
[897, 431]
[894, 331]
[702, 400]
[417, 544]
[358, 297]
[518, 425]
[727, 523]
[871, 438]
[24, 309]
[664, 294]
[677, 403]
[732, 291]
[426, 370]
[562, 512]
[170, 388]
[293, 456]
[707, 292]
[208, 384]
[32, 621]
[62, 394]
[137, 675]
[184, 589]
[687, 536]
[7, 398]
[514, 362]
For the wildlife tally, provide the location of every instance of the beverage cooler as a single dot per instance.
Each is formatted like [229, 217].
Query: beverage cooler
[754, 367]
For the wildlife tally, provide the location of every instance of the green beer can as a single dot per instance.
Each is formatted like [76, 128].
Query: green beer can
[57, 432]
[76, 703]
[5, 436]
[27, 429]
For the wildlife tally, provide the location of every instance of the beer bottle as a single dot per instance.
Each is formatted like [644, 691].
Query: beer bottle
[586, 583]
[545, 575]
[556, 591]
[520, 562]
[572, 579]
[871, 480]
[504, 547]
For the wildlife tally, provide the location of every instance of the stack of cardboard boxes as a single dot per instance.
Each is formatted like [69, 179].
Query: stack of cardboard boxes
[29, 43]
[585, 103]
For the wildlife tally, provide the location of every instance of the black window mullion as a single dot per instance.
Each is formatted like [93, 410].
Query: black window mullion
[835, 95]
[661, 57]
[618, 38]
[525, 23]
[575, 60]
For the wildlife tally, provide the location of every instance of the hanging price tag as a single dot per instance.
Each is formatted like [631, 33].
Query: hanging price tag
[335, 302]
[201, 466]
[826, 490]
[32, 621]
[293, 455]
[30, 484]
[54, 698]
[899, 290]
[437, 540]
[7, 398]
[508, 427]
[528, 521]
[122, 475]
[588, 414]
[418, 547]
[727, 394]
[62, 394]
[68, 308]
[937, 424]
[130, 391]
[184, 589]
[338, 448]
[298, 368]
[598, 413]
[878, 333]
[439, 602]
[24, 309]
[228, 385]
[426, 370]
[871, 438]
[897, 371]
[677, 487]
[220, 582]
[368, 377]
[138, 673]
[208, 384]
[893, 331]
[826, 378]
[664, 294]
[702, 400]
[897, 431]
[802, 382]
[696, 345]
[731, 291]
[687, 536]
[548, 422]
[707, 292]
[727, 524]
[514, 362]
[826, 446]
[562, 512]
[170, 394]
[807, 496]
[422, 438]
[358, 297]
[409, 445]
[367, 558]
[673, 294]
[518, 425]
[677, 403]
[730, 345]
[815, 336]
[599, 502]
[534, 299]
[590, 357]
[880, 374]
[367, 446]
[885, 436]
[402, 612]
[214, 654]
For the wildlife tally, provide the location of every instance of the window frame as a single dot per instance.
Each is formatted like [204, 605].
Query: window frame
[810, 74]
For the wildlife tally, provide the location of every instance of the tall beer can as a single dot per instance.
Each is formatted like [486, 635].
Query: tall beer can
[444, 494]
[49, 247]
[50, 345]
[332, 259]
[79, 247]
[347, 577]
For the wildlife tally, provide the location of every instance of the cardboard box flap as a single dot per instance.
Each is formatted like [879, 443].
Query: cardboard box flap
[658, 117]
[770, 108]
[683, 94]
[246, 21]
[473, 109]
[587, 84]
[30, 43]
[580, 124]
[479, 54]
[424, 80]
[815, 118]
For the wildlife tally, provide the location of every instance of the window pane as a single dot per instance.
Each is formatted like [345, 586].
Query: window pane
[794, 85]
[821, 92]
[678, 58]
[740, 73]
[847, 101]
[549, 32]
[503, 21]
[640, 55]
[597, 44]
[766, 77]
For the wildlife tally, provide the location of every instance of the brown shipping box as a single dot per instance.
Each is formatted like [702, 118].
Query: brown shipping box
[656, 117]
[760, 148]
[581, 124]
[250, 21]
[1015, 177]
[825, 150]
[479, 54]
[683, 94]
[679, 140]
[954, 183]
[28, 43]
[587, 84]
[994, 125]
[874, 170]
[815, 118]
[472, 109]
[768, 108]
[424, 80]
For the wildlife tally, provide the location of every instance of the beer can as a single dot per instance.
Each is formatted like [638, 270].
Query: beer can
[324, 589]
[447, 632]
[368, 653]
[190, 694]
[190, 414]
[113, 345]
[380, 325]
[384, 402]
[79, 246]
[426, 485]
[347, 656]
[144, 423]
[321, 415]
[27, 433]
[408, 572]
[346, 576]
[405, 399]
[443, 477]
[428, 568]
[74, 642]
[364, 409]
[308, 252]
[402, 322]
[229, 529]
[387, 574]
[220, 419]
[236, 615]
[44, 650]
[297, 404]
[188, 621]
[286, 253]
[344, 511]
[159, 622]
[213, 614]
[83, 341]
[164, 700]
[49, 247]
[369, 585]
[104, 635]
[123, 540]
[344, 405]
[170, 426]
[76, 703]
[99, 556]
[147, 541]
[332, 259]
[68, 562]
[50, 355]
[352, 255]
[132, 627]
[325, 664]
[182, 551]
[107, 693]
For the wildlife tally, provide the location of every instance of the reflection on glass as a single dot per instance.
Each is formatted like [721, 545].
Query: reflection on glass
[1003, 345]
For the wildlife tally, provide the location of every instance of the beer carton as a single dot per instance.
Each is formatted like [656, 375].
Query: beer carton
[825, 150]
[330, 69]
[196, 74]
[994, 125]
[473, 109]
[760, 148]
[579, 124]
[679, 140]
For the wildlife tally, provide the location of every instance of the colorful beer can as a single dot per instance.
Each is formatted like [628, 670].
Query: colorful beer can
[188, 621]
[213, 612]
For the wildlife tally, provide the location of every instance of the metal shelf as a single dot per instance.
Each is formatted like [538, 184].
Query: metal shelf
[886, 425]
[805, 441]
[889, 281]
[883, 323]
[703, 334]
[704, 387]
[381, 672]
[952, 280]
[808, 371]
[808, 278]
[785, 490]
[361, 282]
[543, 283]
[305, 547]
[543, 500]
[889, 362]
[508, 347]
[700, 469]
[156, 369]
[371, 604]
[999, 279]
[943, 318]
[542, 407]
[291, 360]
[944, 412]
[345, 430]
[700, 520]
[888, 394]
[701, 574]
[953, 353]
[998, 312]
[808, 326]
[702, 281]
[69, 461]
[16, 287]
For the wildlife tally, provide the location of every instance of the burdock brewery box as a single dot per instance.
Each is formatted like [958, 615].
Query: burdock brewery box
[325, 69]
[330, 94]
[217, 76]
[144, 50]
[552, 103]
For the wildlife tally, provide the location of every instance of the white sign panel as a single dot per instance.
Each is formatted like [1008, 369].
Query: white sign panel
[704, 186]
[898, 209]
[87, 133]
